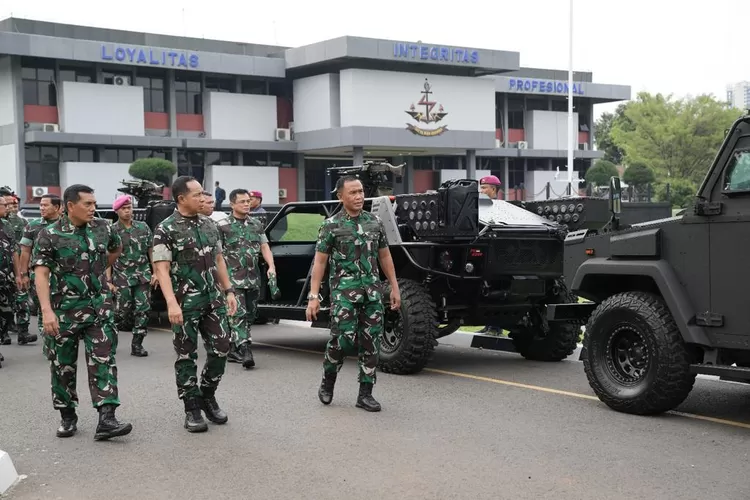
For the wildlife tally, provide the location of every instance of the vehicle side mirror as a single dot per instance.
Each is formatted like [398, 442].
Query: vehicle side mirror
[615, 195]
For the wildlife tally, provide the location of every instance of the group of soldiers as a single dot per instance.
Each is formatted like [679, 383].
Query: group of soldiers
[209, 274]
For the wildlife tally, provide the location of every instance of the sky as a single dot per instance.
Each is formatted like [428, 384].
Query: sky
[654, 46]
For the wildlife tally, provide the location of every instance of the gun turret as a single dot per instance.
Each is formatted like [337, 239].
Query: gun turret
[144, 191]
[373, 174]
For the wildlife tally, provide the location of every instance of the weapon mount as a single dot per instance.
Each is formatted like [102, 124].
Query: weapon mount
[373, 174]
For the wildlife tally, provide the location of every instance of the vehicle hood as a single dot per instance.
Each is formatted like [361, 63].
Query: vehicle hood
[502, 213]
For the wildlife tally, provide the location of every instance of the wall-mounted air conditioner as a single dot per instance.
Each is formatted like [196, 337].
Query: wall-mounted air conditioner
[583, 146]
[122, 81]
[523, 145]
[50, 127]
[283, 134]
[282, 193]
[39, 191]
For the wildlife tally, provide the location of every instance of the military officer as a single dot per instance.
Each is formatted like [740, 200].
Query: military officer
[20, 322]
[8, 270]
[242, 239]
[70, 259]
[132, 278]
[192, 275]
[353, 240]
[49, 210]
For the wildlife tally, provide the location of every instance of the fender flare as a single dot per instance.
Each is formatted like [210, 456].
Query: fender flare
[663, 275]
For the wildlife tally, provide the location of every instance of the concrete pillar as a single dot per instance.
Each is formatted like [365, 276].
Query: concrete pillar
[299, 164]
[171, 104]
[505, 121]
[591, 127]
[471, 164]
[358, 155]
[506, 177]
[409, 174]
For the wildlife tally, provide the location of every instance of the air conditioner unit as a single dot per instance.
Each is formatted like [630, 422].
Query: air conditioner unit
[39, 191]
[50, 127]
[283, 134]
[523, 145]
[282, 192]
[121, 81]
[583, 146]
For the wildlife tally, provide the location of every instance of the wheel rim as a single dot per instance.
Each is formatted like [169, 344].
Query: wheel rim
[393, 332]
[627, 355]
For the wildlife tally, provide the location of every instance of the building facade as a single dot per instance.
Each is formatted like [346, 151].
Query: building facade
[738, 95]
[79, 104]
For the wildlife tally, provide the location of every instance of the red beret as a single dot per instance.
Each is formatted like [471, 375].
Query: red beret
[256, 194]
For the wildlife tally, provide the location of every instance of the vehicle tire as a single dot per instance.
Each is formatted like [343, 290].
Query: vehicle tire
[538, 340]
[635, 359]
[408, 339]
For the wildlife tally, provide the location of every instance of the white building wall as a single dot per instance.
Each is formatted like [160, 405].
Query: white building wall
[92, 108]
[240, 117]
[104, 178]
[317, 103]
[263, 179]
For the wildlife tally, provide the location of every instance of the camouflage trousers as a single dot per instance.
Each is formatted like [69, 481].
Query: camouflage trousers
[357, 327]
[242, 321]
[214, 329]
[6, 309]
[23, 312]
[134, 302]
[62, 351]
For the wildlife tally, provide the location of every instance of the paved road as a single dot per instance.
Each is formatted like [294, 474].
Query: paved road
[456, 431]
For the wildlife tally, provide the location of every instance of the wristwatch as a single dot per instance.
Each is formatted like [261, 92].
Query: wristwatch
[312, 296]
[229, 290]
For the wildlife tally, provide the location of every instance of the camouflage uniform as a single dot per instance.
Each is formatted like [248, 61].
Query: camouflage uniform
[28, 239]
[131, 274]
[356, 297]
[241, 240]
[80, 298]
[8, 246]
[191, 245]
[21, 297]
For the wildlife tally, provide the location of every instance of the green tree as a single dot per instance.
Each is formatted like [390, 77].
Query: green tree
[638, 175]
[600, 173]
[603, 134]
[678, 139]
[681, 192]
[153, 169]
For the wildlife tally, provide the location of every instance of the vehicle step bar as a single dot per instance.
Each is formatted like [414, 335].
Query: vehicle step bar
[291, 312]
[734, 373]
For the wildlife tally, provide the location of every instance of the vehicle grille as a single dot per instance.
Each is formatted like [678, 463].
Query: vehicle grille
[528, 255]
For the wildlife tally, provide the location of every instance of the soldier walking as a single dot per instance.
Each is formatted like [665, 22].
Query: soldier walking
[49, 209]
[132, 278]
[70, 259]
[20, 322]
[242, 239]
[8, 271]
[192, 274]
[354, 240]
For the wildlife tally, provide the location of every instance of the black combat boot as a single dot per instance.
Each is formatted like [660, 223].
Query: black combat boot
[1, 360]
[24, 337]
[193, 417]
[109, 426]
[325, 393]
[4, 338]
[365, 399]
[68, 424]
[209, 405]
[136, 347]
[234, 355]
[247, 356]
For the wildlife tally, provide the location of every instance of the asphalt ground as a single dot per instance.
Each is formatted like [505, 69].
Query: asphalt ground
[474, 425]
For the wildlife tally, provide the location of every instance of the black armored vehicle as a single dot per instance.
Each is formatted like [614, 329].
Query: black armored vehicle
[668, 297]
[460, 258]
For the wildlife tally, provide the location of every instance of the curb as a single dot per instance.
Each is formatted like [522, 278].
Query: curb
[8, 473]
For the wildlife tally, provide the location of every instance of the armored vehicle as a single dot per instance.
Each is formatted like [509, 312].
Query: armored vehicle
[460, 258]
[667, 300]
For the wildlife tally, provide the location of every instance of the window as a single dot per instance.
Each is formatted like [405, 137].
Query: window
[154, 97]
[81, 74]
[737, 175]
[85, 155]
[218, 84]
[257, 87]
[152, 153]
[515, 112]
[299, 227]
[118, 156]
[188, 94]
[42, 166]
[38, 78]
[255, 158]
[283, 160]
[221, 158]
[191, 163]
[280, 89]
[423, 163]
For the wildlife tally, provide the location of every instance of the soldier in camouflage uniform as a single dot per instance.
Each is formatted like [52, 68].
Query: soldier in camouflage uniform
[8, 270]
[49, 209]
[192, 275]
[70, 260]
[354, 240]
[131, 273]
[242, 239]
[20, 322]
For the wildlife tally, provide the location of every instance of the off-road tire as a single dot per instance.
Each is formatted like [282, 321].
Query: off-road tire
[419, 318]
[557, 344]
[666, 380]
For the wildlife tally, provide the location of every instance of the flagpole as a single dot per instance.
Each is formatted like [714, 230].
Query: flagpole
[571, 126]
